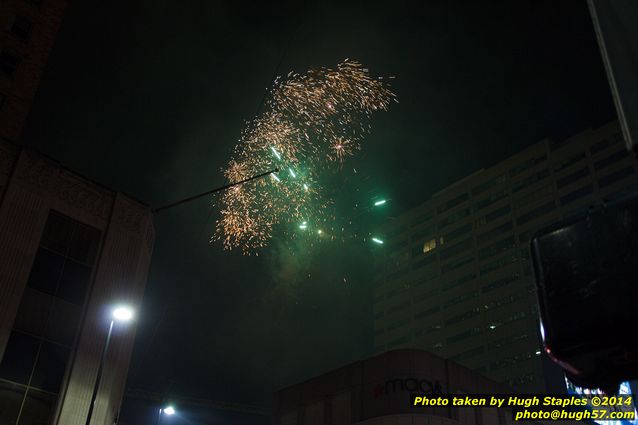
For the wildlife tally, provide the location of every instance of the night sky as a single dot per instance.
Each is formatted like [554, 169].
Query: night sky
[149, 97]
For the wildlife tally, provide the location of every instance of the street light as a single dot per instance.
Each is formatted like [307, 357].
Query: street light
[168, 411]
[120, 314]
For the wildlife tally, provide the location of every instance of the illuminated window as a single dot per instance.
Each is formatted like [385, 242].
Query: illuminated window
[429, 246]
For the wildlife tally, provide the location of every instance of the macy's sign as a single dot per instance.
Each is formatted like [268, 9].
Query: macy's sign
[413, 385]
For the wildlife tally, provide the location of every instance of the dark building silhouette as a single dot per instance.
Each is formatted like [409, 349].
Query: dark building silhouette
[28, 33]
[70, 249]
[457, 279]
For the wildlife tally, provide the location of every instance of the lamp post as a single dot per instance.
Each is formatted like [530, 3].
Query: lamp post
[121, 314]
[168, 410]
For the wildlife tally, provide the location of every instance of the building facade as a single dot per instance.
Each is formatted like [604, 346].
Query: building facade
[70, 250]
[456, 277]
[28, 30]
[376, 391]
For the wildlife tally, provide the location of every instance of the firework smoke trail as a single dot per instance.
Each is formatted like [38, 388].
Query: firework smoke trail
[312, 123]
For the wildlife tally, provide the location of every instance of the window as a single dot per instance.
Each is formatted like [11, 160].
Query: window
[535, 213]
[422, 218]
[542, 192]
[429, 246]
[11, 396]
[49, 369]
[402, 243]
[452, 203]
[506, 342]
[570, 161]
[33, 312]
[421, 233]
[453, 218]
[461, 298]
[398, 324]
[571, 178]
[398, 274]
[463, 316]
[427, 312]
[46, 271]
[19, 356]
[398, 307]
[463, 335]
[521, 380]
[622, 192]
[500, 283]
[48, 319]
[468, 353]
[8, 63]
[602, 145]
[424, 262]
[74, 282]
[428, 329]
[497, 213]
[38, 407]
[489, 184]
[495, 232]
[454, 250]
[510, 361]
[496, 264]
[427, 295]
[614, 157]
[491, 199]
[526, 165]
[614, 177]
[576, 194]
[497, 248]
[522, 184]
[397, 231]
[457, 264]
[461, 281]
[461, 231]
[513, 318]
[503, 301]
[21, 27]
[424, 279]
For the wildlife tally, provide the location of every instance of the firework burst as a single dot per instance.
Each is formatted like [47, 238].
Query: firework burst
[312, 123]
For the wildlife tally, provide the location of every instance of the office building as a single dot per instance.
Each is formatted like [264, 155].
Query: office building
[456, 277]
[28, 33]
[70, 250]
[376, 391]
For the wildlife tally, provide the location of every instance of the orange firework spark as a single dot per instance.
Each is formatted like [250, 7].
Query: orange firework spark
[341, 148]
[311, 122]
